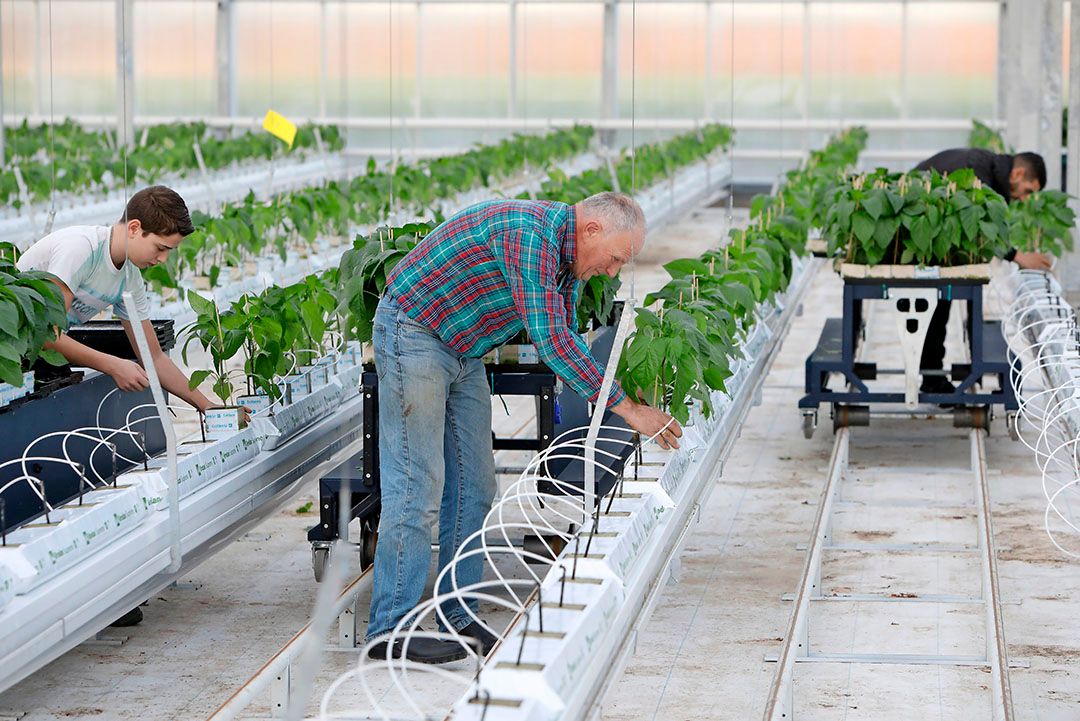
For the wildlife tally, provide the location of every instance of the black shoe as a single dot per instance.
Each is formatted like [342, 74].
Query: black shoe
[421, 650]
[486, 638]
[937, 384]
[131, 618]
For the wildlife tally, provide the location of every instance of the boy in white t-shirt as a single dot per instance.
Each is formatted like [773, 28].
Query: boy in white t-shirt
[96, 264]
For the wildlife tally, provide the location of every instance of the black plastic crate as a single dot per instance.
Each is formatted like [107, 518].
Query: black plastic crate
[108, 336]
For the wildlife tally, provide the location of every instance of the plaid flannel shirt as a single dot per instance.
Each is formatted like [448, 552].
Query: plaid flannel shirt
[495, 268]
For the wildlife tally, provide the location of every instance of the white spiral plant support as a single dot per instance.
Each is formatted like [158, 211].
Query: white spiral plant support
[1044, 341]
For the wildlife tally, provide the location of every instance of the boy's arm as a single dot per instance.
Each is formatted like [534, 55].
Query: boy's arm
[129, 376]
[172, 378]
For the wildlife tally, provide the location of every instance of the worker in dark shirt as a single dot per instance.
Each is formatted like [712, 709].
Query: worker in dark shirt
[1013, 177]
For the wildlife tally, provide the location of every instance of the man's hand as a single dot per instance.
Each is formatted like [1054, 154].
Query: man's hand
[649, 422]
[129, 375]
[1033, 261]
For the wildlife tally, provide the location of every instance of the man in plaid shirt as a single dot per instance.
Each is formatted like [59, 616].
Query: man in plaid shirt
[475, 282]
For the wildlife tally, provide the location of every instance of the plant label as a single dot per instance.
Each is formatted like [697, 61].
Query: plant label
[257, 403]
[318, 376]
[298, 385]
[221, 421]
[927, 273]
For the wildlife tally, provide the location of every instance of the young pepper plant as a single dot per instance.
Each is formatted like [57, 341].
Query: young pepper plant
[32, 313]
[222, 335]
[1043, 222]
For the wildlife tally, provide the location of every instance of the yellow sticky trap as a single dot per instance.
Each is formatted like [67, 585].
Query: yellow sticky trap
[280, 127]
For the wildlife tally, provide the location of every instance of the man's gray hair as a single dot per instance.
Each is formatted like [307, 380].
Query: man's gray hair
[619, 212]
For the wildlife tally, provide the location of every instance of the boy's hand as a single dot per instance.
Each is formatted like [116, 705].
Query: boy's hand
[129, 375]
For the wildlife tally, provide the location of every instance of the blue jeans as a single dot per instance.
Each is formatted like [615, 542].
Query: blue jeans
[435, 461]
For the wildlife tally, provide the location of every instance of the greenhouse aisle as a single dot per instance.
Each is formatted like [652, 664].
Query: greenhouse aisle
[702, 654]
[204, 637]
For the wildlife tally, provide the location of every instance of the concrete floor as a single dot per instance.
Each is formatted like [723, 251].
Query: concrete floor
[701, 656]
[207, 635]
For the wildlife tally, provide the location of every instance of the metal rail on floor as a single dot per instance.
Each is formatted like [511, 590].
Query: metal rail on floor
[275, 676]
[796, 648]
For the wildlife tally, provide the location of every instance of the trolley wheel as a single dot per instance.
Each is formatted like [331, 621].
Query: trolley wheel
[972, 417]
[368, 538]
[320, 556]
[849, 416]
[809, 423]
[1011, 423]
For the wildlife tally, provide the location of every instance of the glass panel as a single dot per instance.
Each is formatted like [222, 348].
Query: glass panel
[75, 70]
[277, 58]
[855, 58]
[654, 81]
[464, 79]
[560, 56]
[768, 61]
[952, 59]
[175, 72]
[17, 33]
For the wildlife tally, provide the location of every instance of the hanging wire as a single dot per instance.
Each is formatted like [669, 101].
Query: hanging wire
[780, 151]
[344, 26]
[490, 75]
[633, 136]
[390, 88]
[14, 85]
[194, 54]
[52, 120]
[523, 64]
[730, 219]
[123, 131]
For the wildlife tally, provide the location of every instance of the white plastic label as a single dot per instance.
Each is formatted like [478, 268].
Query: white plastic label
[221, 422]
[927, 273]
[257, 403]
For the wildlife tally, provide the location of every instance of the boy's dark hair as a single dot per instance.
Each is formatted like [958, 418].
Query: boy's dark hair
[161, 211]
[1034, 167]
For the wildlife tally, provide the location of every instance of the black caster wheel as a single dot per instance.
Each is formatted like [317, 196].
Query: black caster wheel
[368, 538]
[320, 557]
[809, 423]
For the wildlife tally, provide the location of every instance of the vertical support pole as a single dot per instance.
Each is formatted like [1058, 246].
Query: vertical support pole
[905, 84]
[347, 625]
[807, 60]
[707, 79]
[323, 59]
[512, 62]
[418, 73]
[1050, 43]
[225, 55]
[1034, 92]
[280, 691]
[1021, 66]
[2, 163]
[545, 417]
[125, 72]
[1070, 274]
[610, 81]
[40, 33]
[1003, 70]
